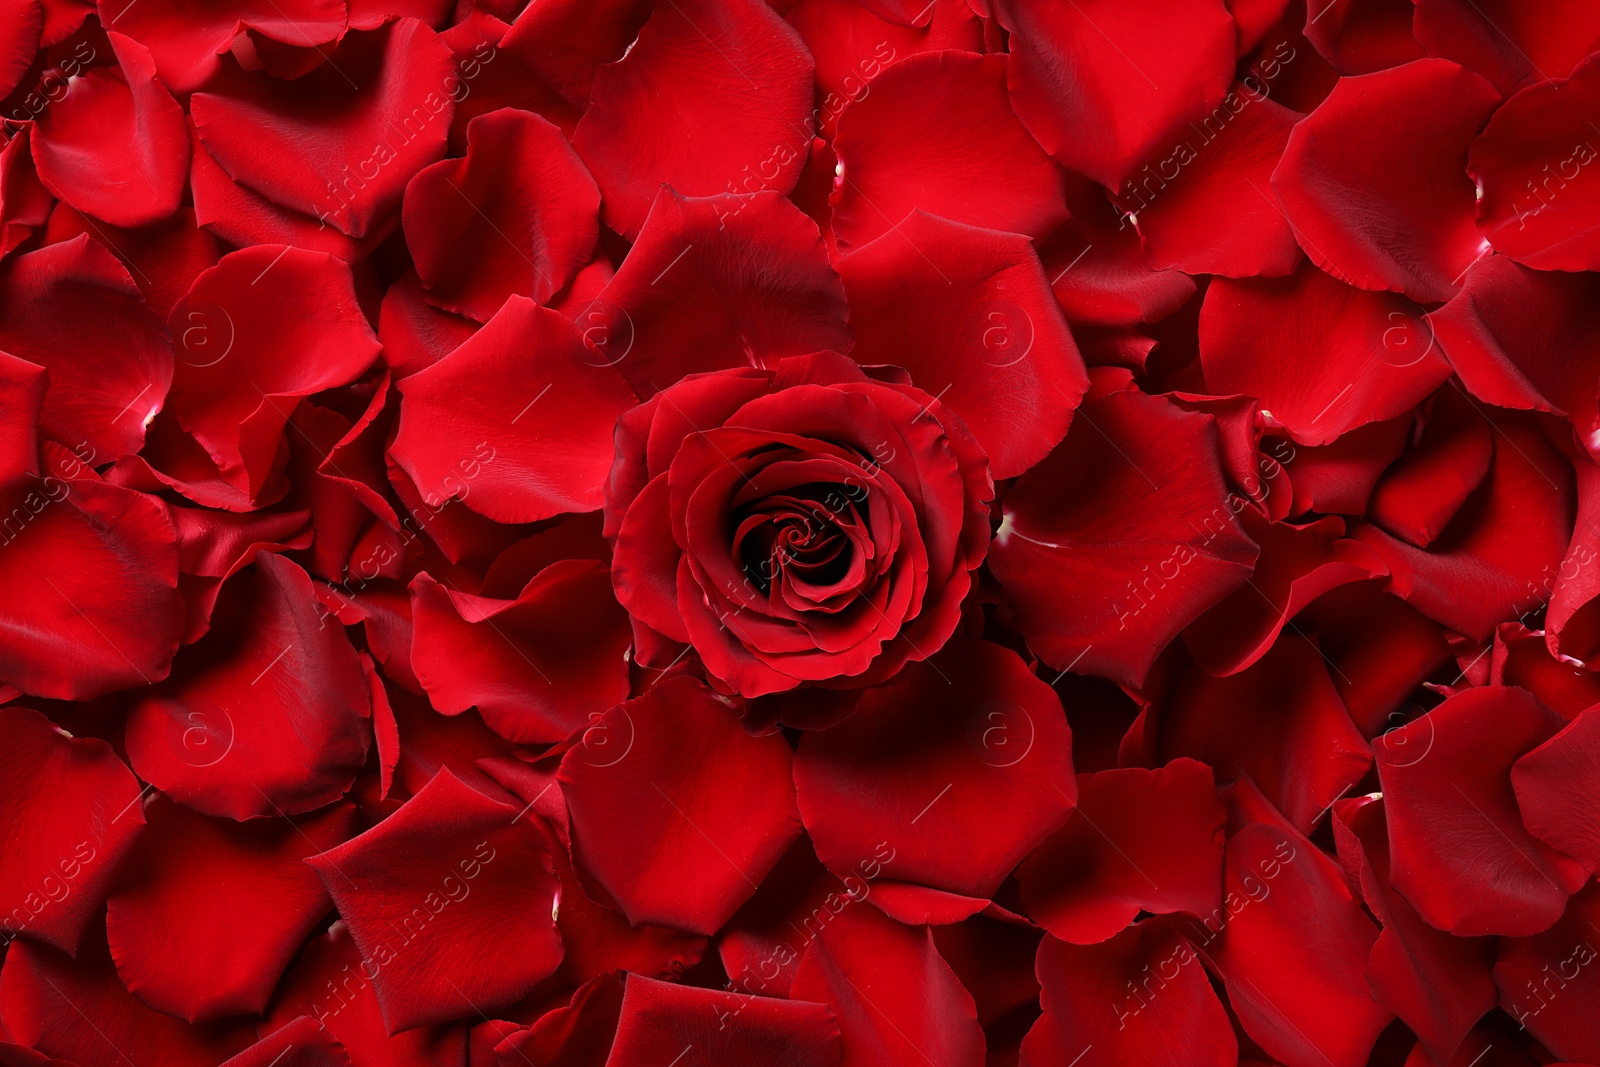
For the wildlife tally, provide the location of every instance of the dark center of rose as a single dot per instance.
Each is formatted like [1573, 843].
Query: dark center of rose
[800, 534]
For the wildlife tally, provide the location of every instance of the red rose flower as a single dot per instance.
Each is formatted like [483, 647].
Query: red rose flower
[807, 524]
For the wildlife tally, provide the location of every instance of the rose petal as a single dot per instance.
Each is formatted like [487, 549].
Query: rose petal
[1137, 840]
[711, 1028]
[1101, 84]
[187, 949]
[1458, 849]
[937, 134]
[933, 294]
[115, 146]
[46, 998]
[1509, 43]
[896, 999]
[454, 898]
[265, 715]
[91, 572]
[710, 97]
[72, 812]
[264, 328]
[1139, 559]
[516, 214]
[1396, 140]
[340, 143]
[536, 667]
[716, 282]
[963, 765]
[1141, 997]
[74, 310]
[675, 810]
[1359, 355]
[470, 428]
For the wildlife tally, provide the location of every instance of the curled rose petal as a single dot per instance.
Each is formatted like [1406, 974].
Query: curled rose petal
[1522, 338]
